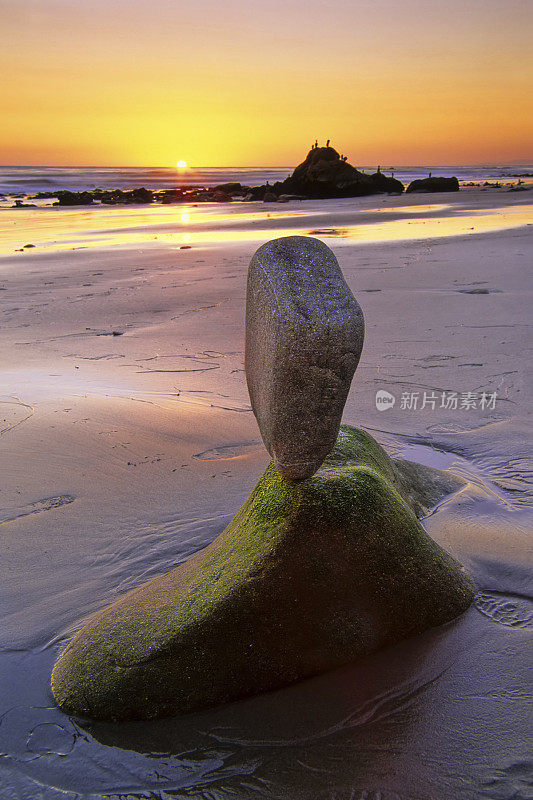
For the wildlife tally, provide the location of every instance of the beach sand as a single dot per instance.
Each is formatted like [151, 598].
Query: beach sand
[127, 444]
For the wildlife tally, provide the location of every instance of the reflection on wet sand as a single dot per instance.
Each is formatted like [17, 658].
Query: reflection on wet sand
[60, 229]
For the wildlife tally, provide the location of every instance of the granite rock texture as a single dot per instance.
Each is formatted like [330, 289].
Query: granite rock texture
[304, 336]
[307, 576]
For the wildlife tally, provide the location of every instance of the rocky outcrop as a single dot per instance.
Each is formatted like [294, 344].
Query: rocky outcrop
[131, 197]
[304, 336]
[107, 197]
[233, 188]
[384, 183]
[308, 575]
[66, 198]
[324, 173]
[434, 185]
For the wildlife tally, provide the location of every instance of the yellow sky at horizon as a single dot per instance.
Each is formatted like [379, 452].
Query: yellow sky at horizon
[122, 82]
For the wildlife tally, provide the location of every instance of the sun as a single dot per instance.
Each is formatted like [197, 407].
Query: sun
[181, 164]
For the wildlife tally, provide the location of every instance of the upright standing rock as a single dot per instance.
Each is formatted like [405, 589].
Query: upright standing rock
[304, 336]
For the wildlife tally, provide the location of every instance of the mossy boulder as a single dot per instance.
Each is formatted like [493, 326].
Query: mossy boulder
[307, 576]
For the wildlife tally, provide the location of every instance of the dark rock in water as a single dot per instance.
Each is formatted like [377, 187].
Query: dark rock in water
[286, 198]
[142, 195]
[384, 183]
[270, 197]
[258, 192]
[133, 196]
[306, 577]
[230, 188]
[167, 196]
[324, 173]
[67, 198]
[304, 336]
[434, 185]
[222, 197]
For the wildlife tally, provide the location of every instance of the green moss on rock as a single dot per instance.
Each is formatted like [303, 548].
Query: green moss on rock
[307, 576]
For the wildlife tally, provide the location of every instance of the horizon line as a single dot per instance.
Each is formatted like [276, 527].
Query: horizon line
[251, 166]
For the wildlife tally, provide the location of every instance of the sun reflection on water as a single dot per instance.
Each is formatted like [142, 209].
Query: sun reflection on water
[63, 229]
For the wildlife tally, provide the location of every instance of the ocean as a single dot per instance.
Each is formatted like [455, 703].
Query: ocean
[27, 181]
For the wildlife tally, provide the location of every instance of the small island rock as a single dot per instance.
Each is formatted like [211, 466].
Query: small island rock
[438, 184]
[384, 183]
[325, 173]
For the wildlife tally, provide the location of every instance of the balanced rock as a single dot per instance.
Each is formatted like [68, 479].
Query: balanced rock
[304, 336]
[307, 576]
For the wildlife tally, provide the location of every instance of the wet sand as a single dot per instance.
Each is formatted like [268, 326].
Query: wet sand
[127, 443]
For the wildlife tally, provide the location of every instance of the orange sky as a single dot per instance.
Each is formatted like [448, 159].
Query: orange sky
[229, 82]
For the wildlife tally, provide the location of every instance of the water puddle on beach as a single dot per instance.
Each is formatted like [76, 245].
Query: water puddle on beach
[49, 229]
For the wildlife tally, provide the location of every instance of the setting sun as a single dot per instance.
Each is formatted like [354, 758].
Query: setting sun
[181, 164]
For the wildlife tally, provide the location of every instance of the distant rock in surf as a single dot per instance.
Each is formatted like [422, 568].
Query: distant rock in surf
[437, 184]
[325, 173]
[67, 198]
[384, 183]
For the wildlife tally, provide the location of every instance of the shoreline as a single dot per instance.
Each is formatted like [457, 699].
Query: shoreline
[374, 218]
[235, 192]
